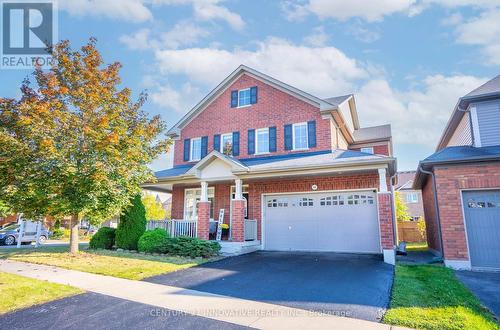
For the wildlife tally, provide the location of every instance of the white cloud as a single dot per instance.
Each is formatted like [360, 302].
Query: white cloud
[453, 19]
[183, 33]
[363, 34]
[208, 10]
[317, 38]
[483, 31]
[418, 116]
[371, 11]
[127, 10]
[323, 71]
[181, 100]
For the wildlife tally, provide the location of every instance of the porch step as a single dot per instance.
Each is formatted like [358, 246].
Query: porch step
[238, 248]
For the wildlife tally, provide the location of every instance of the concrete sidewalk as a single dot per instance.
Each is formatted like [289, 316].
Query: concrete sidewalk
[237, 311]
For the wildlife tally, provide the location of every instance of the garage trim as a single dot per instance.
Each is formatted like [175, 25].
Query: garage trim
[263, 204]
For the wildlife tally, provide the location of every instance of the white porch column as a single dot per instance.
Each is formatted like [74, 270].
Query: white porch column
[238, 195]
[204, 191]
[382, 180]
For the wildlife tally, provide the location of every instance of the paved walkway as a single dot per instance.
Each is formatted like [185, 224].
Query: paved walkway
[227, 309]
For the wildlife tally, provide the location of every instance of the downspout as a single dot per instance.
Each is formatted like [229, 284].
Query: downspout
[393, 205]
[436, 206]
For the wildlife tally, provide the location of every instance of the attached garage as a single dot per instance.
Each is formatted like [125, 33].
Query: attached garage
[326, 221]
[482, 222]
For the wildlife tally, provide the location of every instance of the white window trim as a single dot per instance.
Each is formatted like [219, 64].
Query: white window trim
[191, 159]
[246, 105]
[412, 200]
[222, 139]
[257, 141]
[211, 194]
[371, 151]
[293, 136]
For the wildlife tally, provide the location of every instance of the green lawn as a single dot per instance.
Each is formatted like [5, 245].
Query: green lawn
[20, 292]
[132, 266]
[430, 297]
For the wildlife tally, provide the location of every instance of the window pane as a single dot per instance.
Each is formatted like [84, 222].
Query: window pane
[262, 141]
[196, 149]
[300, 136]
[244, 97]
[227, 144]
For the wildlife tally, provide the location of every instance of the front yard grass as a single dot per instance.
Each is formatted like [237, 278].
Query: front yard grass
[133, 266]
[430, 297]
[19, 292]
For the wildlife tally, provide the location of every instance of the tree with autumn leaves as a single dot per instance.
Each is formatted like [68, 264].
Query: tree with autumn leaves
[75, 143]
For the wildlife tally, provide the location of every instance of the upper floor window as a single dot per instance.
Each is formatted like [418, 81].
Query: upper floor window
[262, 140]
[244, 97]
[195, 149]
[367, 150]
[300, 136]
[226, 146]
[412, 198]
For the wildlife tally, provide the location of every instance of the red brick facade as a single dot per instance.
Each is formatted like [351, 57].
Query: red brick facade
[386, 220]
[273, 108]
[203, 220]
[258, 187]
[450, 180]
[382, 149]
[237, 230]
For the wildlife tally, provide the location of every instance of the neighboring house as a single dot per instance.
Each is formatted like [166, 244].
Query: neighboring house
[277, 160]
[461, 183]
[412, 198]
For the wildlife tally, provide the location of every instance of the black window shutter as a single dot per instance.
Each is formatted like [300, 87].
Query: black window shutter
[288, 137]
[204, 146]
[272, 139]
[253, 95]
[236, 143]
[187, 145]
[217, 142]
[251, 141]
[234, 99]
[311, 133]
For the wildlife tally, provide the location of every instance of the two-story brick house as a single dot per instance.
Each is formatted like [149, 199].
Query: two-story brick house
[460, 183]
[278, 161]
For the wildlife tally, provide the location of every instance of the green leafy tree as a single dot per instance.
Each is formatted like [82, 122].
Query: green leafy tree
[4, 209]
[401, 209]
[154, 209]
[75, 143]
[132, 225]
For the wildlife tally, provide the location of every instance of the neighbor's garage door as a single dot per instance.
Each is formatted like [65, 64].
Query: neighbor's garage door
[341, 222]
[482, 221]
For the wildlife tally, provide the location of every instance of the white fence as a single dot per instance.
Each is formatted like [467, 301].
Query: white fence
[174, 228]
[250, 230]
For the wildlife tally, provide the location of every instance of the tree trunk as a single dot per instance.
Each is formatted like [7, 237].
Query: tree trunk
[73, 238]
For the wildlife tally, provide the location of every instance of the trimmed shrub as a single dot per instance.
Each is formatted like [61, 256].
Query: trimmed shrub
[190, 247]
[132, 225]
[103, 239]
[58, 233]
[152, 240]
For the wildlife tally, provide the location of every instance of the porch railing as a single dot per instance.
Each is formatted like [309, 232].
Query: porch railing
[250, 230]
[174, 228]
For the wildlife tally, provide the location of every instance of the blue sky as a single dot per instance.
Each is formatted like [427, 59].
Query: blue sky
[406, 61]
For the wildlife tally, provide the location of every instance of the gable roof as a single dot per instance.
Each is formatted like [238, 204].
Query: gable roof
[373, 133]
[488, 91]
[323, 105]
[232, 162]
[456, 155]
[405, 180]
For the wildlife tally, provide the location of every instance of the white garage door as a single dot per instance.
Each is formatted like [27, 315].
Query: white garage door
[340, 222]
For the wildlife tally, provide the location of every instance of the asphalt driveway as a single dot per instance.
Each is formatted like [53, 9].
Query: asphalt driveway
[97, 311]
[485, 285]
[356, 286]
